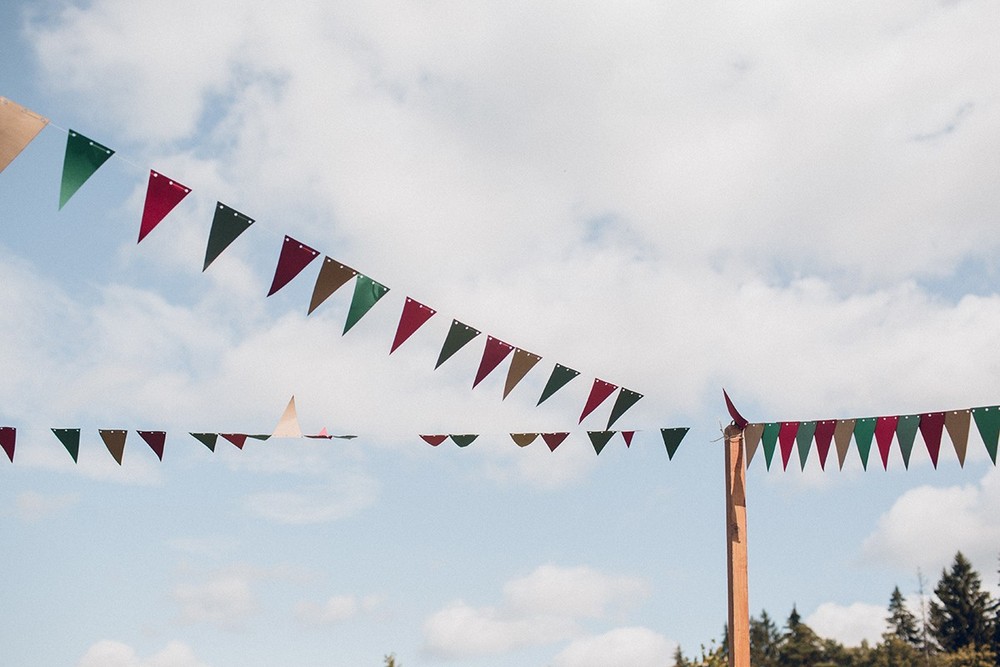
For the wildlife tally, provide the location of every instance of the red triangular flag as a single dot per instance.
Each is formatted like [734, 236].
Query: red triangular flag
[8, 434]
[238, 439]
[155, 440]
[496, 351]
[738, 419]
[553, 440]
[885, 428]
[786, 438]
[162, 194]
[931, 427]
[598, 393]
[294, 257]
[628, 435]
[824, 436]
[434, 440]
[415, 314]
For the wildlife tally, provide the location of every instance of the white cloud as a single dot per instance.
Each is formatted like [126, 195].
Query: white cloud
[849, 624]
[541, 608]
[110, 653]
[621, 647]
[926, 526]
[336, 609]
[342, 497]
[226, 601]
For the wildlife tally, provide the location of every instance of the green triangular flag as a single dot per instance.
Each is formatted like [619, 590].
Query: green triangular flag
[626, 399]
[672, 439]
[207, 439]
[600, 438]
[906, 433]
[83, 158]
[227, 225]
[988, 423]
[864, 430]
[768, 440]
[458, 336]
[366, 293]
[560, 376]
[463, 440]
[804, 439]
[70, 438]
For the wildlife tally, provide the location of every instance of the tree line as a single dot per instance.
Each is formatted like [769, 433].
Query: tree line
[958, 627]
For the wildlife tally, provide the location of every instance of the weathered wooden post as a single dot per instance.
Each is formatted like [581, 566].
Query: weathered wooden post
[736, 551]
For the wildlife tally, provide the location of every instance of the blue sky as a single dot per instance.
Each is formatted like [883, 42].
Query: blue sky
[795, 203]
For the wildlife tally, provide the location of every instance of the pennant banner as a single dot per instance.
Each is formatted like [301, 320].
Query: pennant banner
[70, 439]
[495, 352]
[207, 439]
[906, 433]
[367, 292]
[824, 438]
[332, 276]
[162, 195]
[463, 440]
[885, 429]
[8, 438]
[523, 439]
[599, 392]
[415, 315]
[561, 375]
[83, 157]
[627, 437]
[522, 362]
[227, 225]
[553, 440]
[434, 440]
[459, 335]
[599, 439]
[988, 423]
[672, 439]
[155, 440]
[626, 399]
[238, 439]
[18, 127]
[114, 440]
[294, 257]
[288, 424]
[803, 439]
[786, 438]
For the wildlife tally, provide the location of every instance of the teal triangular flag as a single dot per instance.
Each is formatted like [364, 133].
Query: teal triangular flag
[600, 438]
[83, 158]
[560, 376]
[367, 292]
[672, 439]
[70, 438]
[458, 336]
[227, 225]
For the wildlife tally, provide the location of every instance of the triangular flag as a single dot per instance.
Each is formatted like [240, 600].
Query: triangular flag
[803, 439]
[885, 428]
[294, 257]
[786, 438]
[162, 195]
[495, 351]
[824, 436]
[523, 439]
[626, 399]
[83, 158]
[156, 440]
[207, 439]
[768, 439]
[864, 431]
[672, 439]
[415, 314]
[553, 440]
[434, 440]
[957, 423]
[458, 336]
[599, 392]
[18, 127]
[842, 438]
[988, 423]
[560, 376]
[288, 425]
[227, 225]
[906, 433]
[367, 292]
[114, 440]
[259, 436]
[738, 419]
[522, 362]
[931, 428]
[751, 439]
[70, 439]
[332, 276]
[463, 440]
[627, 437]
[8, 438]
[238, 439]
[599, 439]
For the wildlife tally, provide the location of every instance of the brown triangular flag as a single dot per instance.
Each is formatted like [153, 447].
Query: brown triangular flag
[288, 425]
[957, 424]
[751, 438]
[114, 440]
[18, 127]
[522, 362]
[842, 437]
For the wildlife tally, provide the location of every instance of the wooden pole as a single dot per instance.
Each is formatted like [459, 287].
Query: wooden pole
[736, 549]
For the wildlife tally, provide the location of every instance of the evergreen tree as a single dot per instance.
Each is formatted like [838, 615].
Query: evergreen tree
[963, 614]
[902, 623]
[764, 638]
[679, 659]
[800, 647]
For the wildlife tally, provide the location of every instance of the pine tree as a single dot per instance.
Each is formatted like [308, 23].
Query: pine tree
[764, 638]
[800, 647]
[902, 623]
[963, 614]
[679, 659]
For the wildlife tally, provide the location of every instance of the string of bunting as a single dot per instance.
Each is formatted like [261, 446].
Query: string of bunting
[84, 156]
[288, 427]
[786, 436]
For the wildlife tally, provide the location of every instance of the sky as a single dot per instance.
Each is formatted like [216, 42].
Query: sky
[794, 202]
